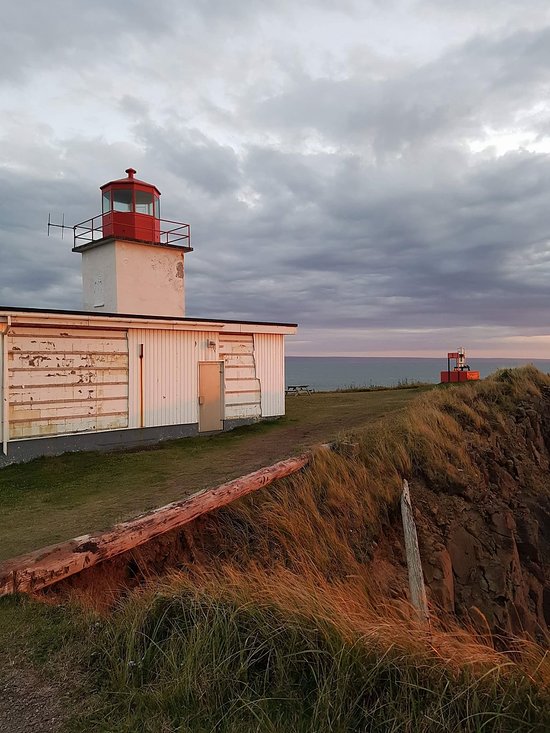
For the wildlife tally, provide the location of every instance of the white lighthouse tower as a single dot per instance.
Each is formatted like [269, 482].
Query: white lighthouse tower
[132, 260]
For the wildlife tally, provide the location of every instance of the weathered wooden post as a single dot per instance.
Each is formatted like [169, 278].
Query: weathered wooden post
[414, 565]
[47, 566]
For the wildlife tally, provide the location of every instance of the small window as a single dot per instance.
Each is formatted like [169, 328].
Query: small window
[106, 201]
[122, 200]
[157, 207]
[144, 203]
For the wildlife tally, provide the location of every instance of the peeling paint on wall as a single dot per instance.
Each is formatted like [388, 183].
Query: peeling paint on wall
[66, 382]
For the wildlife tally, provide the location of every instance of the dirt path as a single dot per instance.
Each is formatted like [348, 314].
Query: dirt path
[41, 685]
[29, 703]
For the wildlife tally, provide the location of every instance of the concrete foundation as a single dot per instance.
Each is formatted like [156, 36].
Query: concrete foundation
[22, 451]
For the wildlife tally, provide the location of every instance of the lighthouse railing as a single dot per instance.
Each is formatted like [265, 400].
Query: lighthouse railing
[166, 232]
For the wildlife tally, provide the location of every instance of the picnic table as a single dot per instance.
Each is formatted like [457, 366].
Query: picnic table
[299, 389]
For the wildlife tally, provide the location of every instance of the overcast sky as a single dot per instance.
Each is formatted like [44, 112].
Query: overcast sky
[378, 171]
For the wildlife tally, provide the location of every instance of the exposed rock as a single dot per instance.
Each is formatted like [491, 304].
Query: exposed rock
[486, 549]
[438, 571]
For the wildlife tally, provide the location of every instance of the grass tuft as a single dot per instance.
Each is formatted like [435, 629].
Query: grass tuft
[249, 651]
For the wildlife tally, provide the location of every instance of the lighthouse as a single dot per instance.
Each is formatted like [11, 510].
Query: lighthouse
[132, 260]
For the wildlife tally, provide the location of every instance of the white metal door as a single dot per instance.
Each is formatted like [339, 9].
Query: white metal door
[210, 396]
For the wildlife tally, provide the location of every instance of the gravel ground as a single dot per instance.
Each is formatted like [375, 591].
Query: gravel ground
[29, 703]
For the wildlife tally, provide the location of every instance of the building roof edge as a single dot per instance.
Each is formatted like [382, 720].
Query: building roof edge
[126, 316]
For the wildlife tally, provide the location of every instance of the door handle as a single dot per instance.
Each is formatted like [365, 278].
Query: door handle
[201, 400]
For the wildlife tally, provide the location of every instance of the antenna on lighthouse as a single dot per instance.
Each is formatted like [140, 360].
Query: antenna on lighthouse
[58, 226]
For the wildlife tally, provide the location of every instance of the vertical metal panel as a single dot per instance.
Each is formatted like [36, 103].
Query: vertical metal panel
[269, 350]
[170, 374]
[66, 380]
[207, 344]
[242, 387]
[2, 377]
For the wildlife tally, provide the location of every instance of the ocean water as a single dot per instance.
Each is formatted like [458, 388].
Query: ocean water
[335, 372]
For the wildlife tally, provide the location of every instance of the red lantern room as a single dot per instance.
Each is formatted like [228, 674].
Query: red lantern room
[131, 209]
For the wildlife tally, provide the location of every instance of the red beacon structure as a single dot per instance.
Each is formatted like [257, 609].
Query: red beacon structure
[461, 371]
[130, 210]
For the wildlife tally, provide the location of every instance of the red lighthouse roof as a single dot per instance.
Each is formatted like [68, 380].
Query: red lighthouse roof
[130, 181]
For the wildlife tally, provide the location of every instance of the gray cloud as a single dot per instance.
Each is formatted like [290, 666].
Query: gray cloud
[486, 81]
[36, 35]
[190, 155]
[353, 195]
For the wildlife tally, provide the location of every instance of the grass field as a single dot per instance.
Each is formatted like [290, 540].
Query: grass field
[53, 499]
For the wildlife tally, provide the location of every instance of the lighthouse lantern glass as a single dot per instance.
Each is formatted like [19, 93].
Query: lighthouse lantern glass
[157, 207]
[144, 203]
[106, 198]
[122, 200]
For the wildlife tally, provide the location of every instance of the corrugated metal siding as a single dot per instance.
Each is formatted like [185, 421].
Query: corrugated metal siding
[1, 389]
[170, 375]
[207, 345]
[270, 368]
[242, 388]
[66, 381]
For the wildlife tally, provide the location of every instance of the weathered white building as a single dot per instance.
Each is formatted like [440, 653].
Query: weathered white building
[131, 369]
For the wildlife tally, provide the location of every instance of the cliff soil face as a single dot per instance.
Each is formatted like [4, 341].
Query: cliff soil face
[485, 537]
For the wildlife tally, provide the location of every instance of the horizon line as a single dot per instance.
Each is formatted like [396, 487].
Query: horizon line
[401, 356]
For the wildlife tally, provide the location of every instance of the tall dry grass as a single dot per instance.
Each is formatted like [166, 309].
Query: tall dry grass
[327, 518]
[235, 651]
[283, 622]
